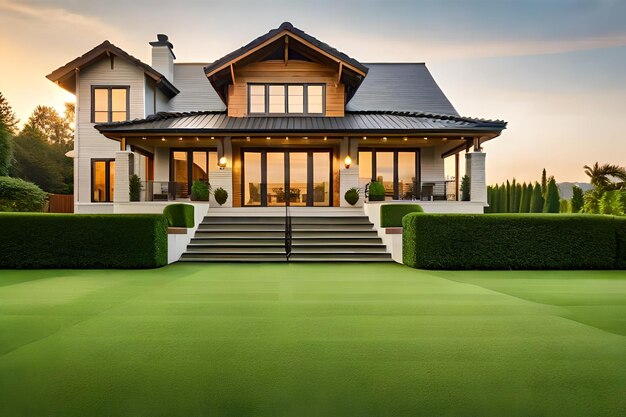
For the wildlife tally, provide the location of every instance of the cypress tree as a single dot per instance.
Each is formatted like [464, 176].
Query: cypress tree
[507, 196]
[525, 204]
[503, 197]
[518, 198]
[496, 199]
[536, 200]
[577, 199]
[544, 183]
[522, 196]
[511, 196]
[553, 201]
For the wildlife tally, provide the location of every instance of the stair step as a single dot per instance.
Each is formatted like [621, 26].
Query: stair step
[281, 220]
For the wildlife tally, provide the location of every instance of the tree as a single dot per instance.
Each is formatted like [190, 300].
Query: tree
[544, 183]
[600, 176]
[611, 203]
[6, 150]
[577, 201]
[525, 204]
[465, 188]
[35, 160]
[54, 128]
[518, 198]
[592, 201]
[7, 115]
[565, 206]
[502, 199]
[507, 197]
[552, 203]
[536, 200]
[494, 198]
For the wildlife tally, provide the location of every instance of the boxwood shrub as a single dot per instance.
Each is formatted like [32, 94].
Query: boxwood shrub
[40, 240]
[20, 195]
[391, 214]
[179, 215]
[513, 241]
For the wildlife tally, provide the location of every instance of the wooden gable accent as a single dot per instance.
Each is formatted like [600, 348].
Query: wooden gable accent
[296, 72]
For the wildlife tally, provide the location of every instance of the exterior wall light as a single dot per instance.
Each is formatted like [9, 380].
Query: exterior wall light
[222, 162]
[347, 162]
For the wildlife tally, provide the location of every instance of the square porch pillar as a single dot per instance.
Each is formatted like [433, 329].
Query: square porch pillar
[475, 169]
[348, 177]
[224, 177]
[124, 164]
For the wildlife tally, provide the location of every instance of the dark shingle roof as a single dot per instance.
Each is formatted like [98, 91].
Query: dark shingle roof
[353, 122]
[286, 26]
[400, 87]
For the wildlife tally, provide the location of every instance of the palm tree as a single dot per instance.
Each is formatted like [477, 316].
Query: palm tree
[600, 176]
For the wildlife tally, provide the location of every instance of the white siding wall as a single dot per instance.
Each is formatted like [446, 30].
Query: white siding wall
[150, 90]
[162, 102]
[163, 61]
[91, 144]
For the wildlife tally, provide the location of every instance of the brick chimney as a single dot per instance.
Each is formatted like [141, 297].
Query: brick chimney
[163, 56]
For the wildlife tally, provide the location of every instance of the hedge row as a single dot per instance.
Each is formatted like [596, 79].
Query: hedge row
[518, 241]
[391, 214]
[38, 240]
[179, 215]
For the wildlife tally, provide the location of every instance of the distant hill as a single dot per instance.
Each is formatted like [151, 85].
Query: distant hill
[565, 188]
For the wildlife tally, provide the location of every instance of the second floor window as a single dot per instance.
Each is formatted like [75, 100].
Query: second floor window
[283, 99]
[109, 104]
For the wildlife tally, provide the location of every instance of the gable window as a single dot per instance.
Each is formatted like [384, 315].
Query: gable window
[109, 104]
[281, 99]
[102, 180]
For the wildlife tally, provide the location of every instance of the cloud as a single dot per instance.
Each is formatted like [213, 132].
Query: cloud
[56, 15]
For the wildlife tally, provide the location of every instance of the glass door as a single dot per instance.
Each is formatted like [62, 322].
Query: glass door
[298, 178]
[252, 178]
[398, 170]
[274, 177]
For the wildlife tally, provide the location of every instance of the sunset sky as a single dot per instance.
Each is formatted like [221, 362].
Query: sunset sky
[554, 69]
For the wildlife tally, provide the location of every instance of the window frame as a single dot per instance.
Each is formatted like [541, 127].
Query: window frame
[110, 89]
[108, 198]
[375, 149]
[286, 113]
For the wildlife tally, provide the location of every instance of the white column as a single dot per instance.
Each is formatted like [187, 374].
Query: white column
[475, 169]
[123, 171]
[348, 177]
[224, 177]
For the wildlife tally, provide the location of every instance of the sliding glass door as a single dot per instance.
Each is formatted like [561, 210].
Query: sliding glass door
[398, 170]
[189, 165]
[278, 177]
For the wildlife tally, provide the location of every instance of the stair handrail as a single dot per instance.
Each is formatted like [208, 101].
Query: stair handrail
[288, 235]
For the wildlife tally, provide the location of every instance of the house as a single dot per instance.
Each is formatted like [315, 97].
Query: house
[286, 119]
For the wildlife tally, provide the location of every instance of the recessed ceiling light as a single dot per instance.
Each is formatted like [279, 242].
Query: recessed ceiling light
[405, 138]
[163, 139]
[197, 138]
[180, 138]
[325, 138]
[268, 138]
[425, 138]
[384, 138]
[144, 138]
[364, 137]
[306, 137]
[212, 137]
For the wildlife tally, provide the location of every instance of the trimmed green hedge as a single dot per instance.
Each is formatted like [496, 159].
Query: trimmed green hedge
[514, 241]
[40, 240]
[179, 215]
[20, 195]
[391, 214]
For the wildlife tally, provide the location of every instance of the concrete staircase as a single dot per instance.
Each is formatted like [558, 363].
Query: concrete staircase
[344, 238]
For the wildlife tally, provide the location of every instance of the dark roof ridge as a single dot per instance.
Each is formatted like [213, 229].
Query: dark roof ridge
[173, 115]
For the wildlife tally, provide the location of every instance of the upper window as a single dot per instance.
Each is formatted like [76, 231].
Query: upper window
[292, 99]
[109, 104]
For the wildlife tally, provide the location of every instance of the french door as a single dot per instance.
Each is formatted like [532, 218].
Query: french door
[273, 178]
[398, 170]
[189, 165]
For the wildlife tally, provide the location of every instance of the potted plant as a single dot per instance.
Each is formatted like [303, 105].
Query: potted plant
[376, 191]
[134, 188]
[200, 191]
[221, 195]
[352, 195]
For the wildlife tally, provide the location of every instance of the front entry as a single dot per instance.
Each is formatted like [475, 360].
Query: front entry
[273, 178]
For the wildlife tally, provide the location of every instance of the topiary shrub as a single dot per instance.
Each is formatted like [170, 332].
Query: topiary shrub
[513, 241]
[465, 188]
[20, 195]
[352, 196]
[179, 215]
[376, 191]
[221, 195]
[134, 188]
[200, 191]
[391, 214]
[42, 240]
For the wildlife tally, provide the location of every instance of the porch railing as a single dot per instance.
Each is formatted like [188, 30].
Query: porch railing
[162, 190]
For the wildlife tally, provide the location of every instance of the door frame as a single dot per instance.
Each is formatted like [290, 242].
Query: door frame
[418, 165]
[286, 161]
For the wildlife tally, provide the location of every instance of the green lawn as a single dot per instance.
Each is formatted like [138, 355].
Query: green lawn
[312, 340]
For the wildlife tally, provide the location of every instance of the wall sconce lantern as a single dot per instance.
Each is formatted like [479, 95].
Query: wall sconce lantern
[222, 162]
[347, 162]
